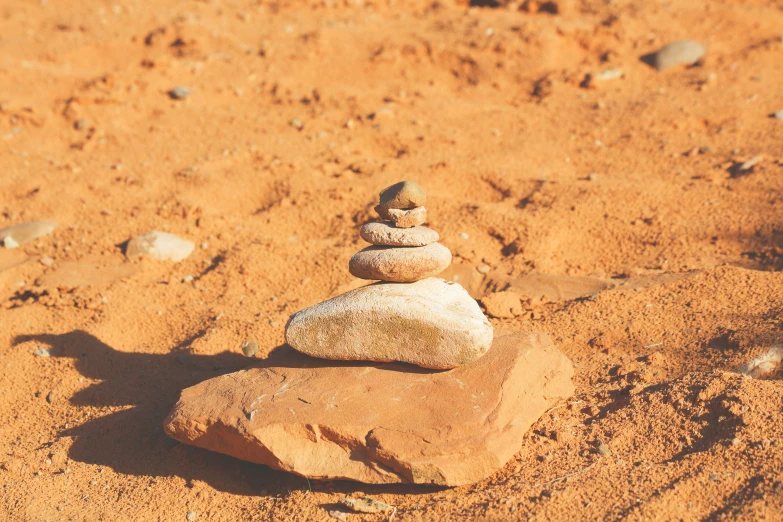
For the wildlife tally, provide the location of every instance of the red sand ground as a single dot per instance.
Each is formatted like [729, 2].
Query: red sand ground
[483, 106]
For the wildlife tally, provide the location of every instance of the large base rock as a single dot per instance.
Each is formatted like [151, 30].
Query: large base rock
[378, 424]
[431, 323]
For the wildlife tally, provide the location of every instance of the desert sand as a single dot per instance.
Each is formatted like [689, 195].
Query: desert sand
[634, 217]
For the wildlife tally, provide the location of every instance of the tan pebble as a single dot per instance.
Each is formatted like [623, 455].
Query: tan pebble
[386, 234]
[682, 52]
[405, 194]
[400, 264]
[159, 245]
[407, 218]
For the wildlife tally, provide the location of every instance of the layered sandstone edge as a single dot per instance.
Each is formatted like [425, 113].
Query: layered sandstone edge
[379, 423]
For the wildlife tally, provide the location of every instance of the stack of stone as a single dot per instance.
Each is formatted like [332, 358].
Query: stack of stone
[409, 316]
[403, 251]
[385, 424]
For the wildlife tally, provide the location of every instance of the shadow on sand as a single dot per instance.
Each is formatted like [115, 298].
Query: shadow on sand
[144, 387]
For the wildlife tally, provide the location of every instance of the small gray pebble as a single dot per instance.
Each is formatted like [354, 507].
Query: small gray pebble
[250, 348]
[682, 52]
[42, 352]
[778, 115]
[191, 516]
[50, 397]
[180, 92]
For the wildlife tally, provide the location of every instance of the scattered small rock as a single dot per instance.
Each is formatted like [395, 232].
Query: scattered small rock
[159, 245]
[747, 166]
[17, 235]
[778, 115]
[179, 93]
[713, 477]
[80, 124]
[191, 516]
[464, 235]
[297, 124]
[50, 397]
[682, 52]
[42, 352]
[484, 268]
[593, 79]
[187, 279]
[602, 448]
[382, 114]
[764, 364]
[250, 348]
[339, 515]
[366, 505]
[273, 323]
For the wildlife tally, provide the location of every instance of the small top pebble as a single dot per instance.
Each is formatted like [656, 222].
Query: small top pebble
[405, 194]
[778, 115]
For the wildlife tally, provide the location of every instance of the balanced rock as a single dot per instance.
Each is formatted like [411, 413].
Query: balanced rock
[405, 194]
[159, 245]
[383, 424]
[682, 52]
[389, 235]
[431, 323]
[403, 218]
[17, 235]
[407, 218]
[400, 265]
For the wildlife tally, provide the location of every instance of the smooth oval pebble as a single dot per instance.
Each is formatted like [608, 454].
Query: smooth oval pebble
[408, 217]
[17, 235]
[400, 264]
[405, 194]
[389, 235]
[682, 52]
[159, 245]
[431, 323]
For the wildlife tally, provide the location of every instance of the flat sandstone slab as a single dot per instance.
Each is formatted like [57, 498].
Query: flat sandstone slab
[378, 424]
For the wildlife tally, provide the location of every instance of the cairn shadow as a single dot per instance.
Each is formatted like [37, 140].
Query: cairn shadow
[134, 392]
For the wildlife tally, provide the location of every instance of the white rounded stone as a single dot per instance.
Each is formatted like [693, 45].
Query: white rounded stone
[430, 323]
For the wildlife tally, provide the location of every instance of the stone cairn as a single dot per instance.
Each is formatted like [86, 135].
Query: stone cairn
[379, 424]
[409, 316]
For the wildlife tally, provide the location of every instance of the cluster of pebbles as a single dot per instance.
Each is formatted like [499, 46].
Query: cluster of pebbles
[403, 251]
[409, 315]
